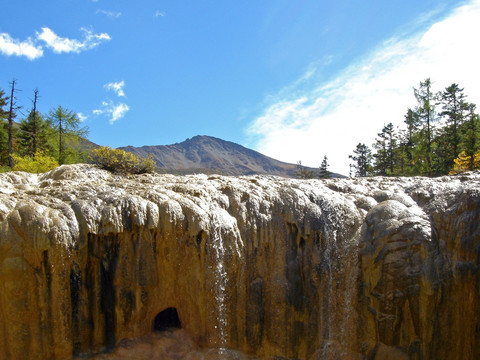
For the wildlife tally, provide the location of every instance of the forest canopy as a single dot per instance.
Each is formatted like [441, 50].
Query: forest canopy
[440, 135]
[37, 142]
[40, 142]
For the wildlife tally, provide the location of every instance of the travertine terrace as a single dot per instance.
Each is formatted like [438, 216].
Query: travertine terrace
[370, 268]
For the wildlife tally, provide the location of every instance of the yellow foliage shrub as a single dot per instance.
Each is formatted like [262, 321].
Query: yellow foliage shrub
[120, 161]
[38, 164]
[464, 163]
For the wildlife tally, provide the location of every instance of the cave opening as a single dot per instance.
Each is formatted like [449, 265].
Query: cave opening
[166, 320]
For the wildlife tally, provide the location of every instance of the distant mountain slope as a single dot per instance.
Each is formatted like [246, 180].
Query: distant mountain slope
[212, 155]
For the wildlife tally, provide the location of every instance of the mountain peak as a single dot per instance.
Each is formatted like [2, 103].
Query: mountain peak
[208, 154]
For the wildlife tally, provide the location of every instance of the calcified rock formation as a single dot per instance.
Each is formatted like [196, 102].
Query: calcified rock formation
[338, 269]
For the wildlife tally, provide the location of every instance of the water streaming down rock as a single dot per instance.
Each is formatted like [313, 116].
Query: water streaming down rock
[221, 279]
[271, 267]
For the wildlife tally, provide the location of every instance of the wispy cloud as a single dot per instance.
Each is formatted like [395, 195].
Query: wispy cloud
[10, 46]
[82, 117]
[159, 13]
[312, 117]
[114, 111]
[118, 111]
[117, 87]
[65, 45]
[33, 49]
[111, 14]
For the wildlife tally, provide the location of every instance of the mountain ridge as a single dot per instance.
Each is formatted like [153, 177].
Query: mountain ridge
[208, 154]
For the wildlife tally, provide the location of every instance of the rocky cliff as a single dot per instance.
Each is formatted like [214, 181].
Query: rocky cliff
[375, 268]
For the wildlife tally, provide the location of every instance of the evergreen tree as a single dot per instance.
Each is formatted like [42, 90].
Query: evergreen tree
[426, 116]
[408, 139]
[11, 115]
[470, 139]
[3, 103]
[389, 130]
[385, 155]
[454, 107]
[3, 131]
[323, 171]
[442, 162]
[36, 134]
[303, 172]
[380, 157]
[362, 160]
[67, 125]
[401, 153]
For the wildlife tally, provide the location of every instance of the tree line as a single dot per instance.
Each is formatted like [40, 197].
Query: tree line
[303, 172]
[441, 135]
[51, 137]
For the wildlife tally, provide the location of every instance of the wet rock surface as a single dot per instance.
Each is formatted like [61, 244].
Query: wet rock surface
[271, 268]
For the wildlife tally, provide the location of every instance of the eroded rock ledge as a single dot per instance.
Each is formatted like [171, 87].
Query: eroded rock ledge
[370, 268]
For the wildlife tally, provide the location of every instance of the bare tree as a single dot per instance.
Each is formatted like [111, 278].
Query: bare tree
[11, 115]
[35, 125]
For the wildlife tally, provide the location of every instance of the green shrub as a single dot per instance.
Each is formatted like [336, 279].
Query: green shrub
[4, 168]
[120, 161]
[40, 163]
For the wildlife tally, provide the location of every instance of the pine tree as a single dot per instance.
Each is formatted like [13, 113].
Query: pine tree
[408, 140]
[3, 131]
[36, 135]
[3, 103]
[470, 139]
[400, 153]
[454, 107]
[67, 125]
[442, 161]
[303, 173]
[426, 115]
[11, 115]
[380, 157]
[385, 156]
[362, 160]
[323, 171]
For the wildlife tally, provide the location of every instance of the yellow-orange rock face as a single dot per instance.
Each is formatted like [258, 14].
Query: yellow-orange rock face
[279, 269]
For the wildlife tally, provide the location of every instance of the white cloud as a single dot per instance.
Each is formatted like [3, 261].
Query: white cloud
[159, 13]
[65, 45]
[118, 111]
[82, 117]
[332, 117]
[27, 48]
[115, 111]
[111, 14]
[32, 50]
[117, 87]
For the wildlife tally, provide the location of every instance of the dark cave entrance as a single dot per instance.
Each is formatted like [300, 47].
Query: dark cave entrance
[166, 320]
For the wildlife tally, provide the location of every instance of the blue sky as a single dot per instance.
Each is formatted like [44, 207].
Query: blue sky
[296, 80]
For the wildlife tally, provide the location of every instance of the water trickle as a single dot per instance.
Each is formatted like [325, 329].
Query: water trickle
[339, 288]
[225, 245]
[221, 280]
